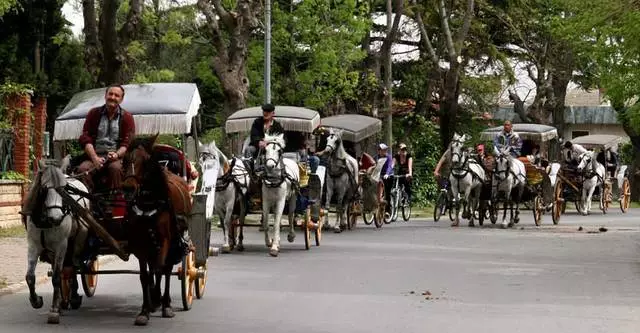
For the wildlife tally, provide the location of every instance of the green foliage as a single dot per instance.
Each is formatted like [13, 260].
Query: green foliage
[171, 140]
[212, 135]
[6, 6]
[626, 153]
[12, 175]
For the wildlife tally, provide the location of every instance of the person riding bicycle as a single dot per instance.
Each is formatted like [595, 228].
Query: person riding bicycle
[385, 172]
[507, 139]
[404, 162]
[443, 168]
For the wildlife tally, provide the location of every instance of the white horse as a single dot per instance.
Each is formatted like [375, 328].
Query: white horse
[231, 187]
[593, 175]
[466, 178]
[509, 175]
[343, 178]
[50, 229]
[279, 185]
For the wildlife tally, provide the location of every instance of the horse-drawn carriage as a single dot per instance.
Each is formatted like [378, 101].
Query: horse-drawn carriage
[595, 176]
[286, 163]
[541, 175]
[347, 137]
[120, 222]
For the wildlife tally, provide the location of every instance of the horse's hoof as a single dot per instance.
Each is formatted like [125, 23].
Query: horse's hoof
[504, 225]
[142, 320]
[226, 248]
[53, 318]
[37, 302]
[516, 220]
[64, 305]
[337, 229]
[471, 224]
[291, 238]
[240, 248]
[273, 252]
[455, 224]
[343, 226]
[268, 243]
[75, 302]
[168, 312]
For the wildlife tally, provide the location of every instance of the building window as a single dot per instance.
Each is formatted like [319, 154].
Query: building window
[575, 134]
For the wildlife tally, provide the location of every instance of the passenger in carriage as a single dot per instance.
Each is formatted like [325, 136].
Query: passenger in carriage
[507, 138]
[106, 135]
[609, 158]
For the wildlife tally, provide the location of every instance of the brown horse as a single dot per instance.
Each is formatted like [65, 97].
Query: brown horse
[158, 203]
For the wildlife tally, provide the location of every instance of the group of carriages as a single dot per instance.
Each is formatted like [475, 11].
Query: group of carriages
[162, 213]
[542, 178]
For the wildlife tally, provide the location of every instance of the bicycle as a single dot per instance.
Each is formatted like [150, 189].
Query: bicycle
[443, 203]
[398, 198]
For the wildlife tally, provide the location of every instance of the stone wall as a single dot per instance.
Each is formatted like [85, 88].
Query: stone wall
[11, 193]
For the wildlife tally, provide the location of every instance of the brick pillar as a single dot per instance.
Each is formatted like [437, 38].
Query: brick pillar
[39, 124]
[19, 109]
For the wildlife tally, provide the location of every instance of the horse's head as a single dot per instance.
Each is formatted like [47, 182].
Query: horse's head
[334, 140]
[211, 156]
[273, 150]
[502, 164]
[585, 159]
[48, 201]
[134, 162]
[458, 154]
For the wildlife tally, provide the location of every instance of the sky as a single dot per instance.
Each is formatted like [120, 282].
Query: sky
[524, 85]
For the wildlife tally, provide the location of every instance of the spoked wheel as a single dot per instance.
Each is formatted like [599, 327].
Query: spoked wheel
[90, 281]
[201, 283]
[393, 209]
[493, 212]
[378, 216]
[605, 193]
[187, 273]
[538, 208]
[367, 217]
[406, 208]
[441, 206]
[352, 215]
[306, 226]
[625, 201]
[559, 203]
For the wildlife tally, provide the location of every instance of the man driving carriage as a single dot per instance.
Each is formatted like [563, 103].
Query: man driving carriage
[106, 135]
[571, 153]
[507, 139]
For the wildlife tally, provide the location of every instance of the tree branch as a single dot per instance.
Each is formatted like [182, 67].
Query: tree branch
[214, 28]
[399, 41]
[444, 20]
[425, 36]
[462, 33]
[224, 15]
[393, 31]
[130, 29]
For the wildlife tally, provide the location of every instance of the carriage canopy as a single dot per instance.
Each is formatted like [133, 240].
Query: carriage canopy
[602, 141]
[356, 127]
[165, 108]
[533, 132]
[292, 118]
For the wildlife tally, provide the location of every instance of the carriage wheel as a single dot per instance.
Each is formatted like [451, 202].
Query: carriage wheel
[187, 273]
[538, 208]
[493, 212]
[306, 226]
[201, 283]
[559, 205]
[352, 215]
[318, 230]
[626, 196]
[90, 281]
[605, 192]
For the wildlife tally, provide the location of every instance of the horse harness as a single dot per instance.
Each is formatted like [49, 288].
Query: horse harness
[277, 180]
[463, 170]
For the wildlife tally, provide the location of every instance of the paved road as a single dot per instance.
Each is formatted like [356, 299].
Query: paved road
[550, 279]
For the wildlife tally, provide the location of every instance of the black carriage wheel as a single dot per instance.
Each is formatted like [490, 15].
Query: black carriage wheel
[90, 281]
[406, 208]
[625, 201]
[538, 208]
[493, 212]
[187, 281]
[441, 206]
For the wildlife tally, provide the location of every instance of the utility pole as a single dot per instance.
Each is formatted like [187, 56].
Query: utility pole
[267, 51]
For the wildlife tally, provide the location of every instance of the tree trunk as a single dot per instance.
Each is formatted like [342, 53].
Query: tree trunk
[557, 106]
[450, 93]
[235, 84]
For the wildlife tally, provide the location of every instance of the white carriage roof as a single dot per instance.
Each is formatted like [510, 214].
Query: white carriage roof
[165, 108]
[599, 141]
[355, 127]
[292, 118]
[525, 131]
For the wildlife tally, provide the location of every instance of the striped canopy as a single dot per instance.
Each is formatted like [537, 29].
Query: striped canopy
[165, 108]
[599, 141]
[292, 118]
[355, 127]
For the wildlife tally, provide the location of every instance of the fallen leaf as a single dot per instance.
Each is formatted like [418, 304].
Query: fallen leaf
[580, 229]
[412, 292]
[427, 293]
[603, 229]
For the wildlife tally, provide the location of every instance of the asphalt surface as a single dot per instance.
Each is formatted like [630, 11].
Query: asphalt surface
[407, 277]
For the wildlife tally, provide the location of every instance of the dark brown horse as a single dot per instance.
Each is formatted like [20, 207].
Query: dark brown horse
[158, 203]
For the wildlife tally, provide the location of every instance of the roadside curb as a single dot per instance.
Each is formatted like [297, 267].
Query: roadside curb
[19, 286]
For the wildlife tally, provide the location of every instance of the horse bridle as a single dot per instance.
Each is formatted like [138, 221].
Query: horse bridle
[44, 219]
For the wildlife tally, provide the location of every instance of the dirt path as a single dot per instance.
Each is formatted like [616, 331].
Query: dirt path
[13, 261]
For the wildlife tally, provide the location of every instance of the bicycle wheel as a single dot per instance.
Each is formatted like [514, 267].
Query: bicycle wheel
[441, 206]
[393, 208]
[406, 207]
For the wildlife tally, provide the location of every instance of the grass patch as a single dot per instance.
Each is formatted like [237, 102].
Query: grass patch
[17, 232]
